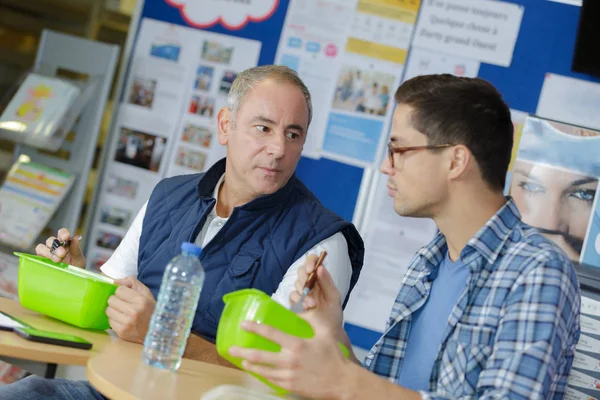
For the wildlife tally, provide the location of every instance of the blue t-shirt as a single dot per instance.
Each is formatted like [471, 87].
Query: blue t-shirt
[429, 324]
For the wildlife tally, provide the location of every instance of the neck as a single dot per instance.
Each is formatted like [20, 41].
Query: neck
[229, 198]
[465, 215]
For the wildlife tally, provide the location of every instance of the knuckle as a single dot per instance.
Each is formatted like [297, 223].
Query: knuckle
[297, 347]
[253, 355]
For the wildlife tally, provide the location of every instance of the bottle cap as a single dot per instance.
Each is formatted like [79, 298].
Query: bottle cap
[191, 248]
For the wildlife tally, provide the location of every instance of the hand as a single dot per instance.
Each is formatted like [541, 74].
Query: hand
[71, 255]
[323, 303]
[315, 368]
[130, 309]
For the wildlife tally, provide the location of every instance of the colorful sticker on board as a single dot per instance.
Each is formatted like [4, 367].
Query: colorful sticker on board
[232, 14]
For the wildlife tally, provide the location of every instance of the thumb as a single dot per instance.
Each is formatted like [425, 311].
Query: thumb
[329, 291]
[77, 257]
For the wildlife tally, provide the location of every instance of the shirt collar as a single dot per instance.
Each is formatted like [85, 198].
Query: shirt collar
[488, 242]
[213, 212]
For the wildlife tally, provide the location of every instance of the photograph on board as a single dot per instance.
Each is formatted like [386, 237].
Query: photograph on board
[204, 77]
[554, 181]
[121, 186]
[190, 158]
[117, 216]
[140, 149]
[108, 240]
[202, 105]
[168, 50]
[142, 92]
[364, 91]
[216, 52]
[226, 82]
[197, 135]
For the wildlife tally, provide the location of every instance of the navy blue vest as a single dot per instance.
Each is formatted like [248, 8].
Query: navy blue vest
[254, 249]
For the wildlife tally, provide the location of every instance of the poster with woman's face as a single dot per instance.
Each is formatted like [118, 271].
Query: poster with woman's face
[556, 201]
[555, 182]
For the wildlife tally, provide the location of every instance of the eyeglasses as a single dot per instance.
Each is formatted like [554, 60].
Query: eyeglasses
[402, 150]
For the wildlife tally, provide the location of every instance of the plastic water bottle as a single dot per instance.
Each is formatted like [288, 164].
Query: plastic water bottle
[175, 309]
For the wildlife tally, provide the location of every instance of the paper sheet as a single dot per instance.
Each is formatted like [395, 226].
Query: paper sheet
[484, 30]
[8, 323]
[570, 100]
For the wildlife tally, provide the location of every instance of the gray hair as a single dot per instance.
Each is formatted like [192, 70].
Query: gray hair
[247, 79]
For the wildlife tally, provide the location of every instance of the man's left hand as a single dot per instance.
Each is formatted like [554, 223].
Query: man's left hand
[313, 367]
[130, 309]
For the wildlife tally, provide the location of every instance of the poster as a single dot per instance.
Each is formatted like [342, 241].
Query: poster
[312, 41]
[483, 30]
[555, 181]
[369, 74]
[427, 62]
[570, 100]
[391, 241]
[166, 125]
[28, 199]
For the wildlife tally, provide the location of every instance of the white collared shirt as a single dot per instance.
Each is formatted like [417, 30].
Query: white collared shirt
[123, 261]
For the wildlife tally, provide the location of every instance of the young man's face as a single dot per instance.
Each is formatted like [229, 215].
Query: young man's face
[265, 143]
[417, 180]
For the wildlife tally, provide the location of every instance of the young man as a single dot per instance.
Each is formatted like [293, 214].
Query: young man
[488, 309]
[255, 221]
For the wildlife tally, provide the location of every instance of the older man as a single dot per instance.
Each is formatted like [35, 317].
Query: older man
[255, 221]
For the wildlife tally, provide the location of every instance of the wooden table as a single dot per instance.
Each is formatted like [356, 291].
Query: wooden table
[114, 366]
[120, 374]
[27, 354]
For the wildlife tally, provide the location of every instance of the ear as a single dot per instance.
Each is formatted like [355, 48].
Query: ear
[224, 125]
[460, 160]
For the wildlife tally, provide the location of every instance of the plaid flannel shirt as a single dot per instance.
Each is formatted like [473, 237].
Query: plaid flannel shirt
[513, 332]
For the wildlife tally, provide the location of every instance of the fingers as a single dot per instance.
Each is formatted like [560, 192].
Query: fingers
[63, 234]
[57, 255]
[294, 297]
[128, 295]
[270, 333]
[116, 326]
[127, 281]
[121, 306]
[256, 356]
[311, 263]
[43, 251]
[60, 253]
[120, 318]
[275, 375]
[303, 272]
[132, 283]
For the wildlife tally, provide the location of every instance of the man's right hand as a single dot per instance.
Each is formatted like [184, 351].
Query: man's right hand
[324, 300]
[71, 255]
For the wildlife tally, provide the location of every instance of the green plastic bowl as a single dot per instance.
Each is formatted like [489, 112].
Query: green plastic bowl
[59, 290]
[255, 305]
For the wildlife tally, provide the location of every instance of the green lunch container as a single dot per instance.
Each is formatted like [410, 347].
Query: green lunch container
[62, 291]
[255, 305]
